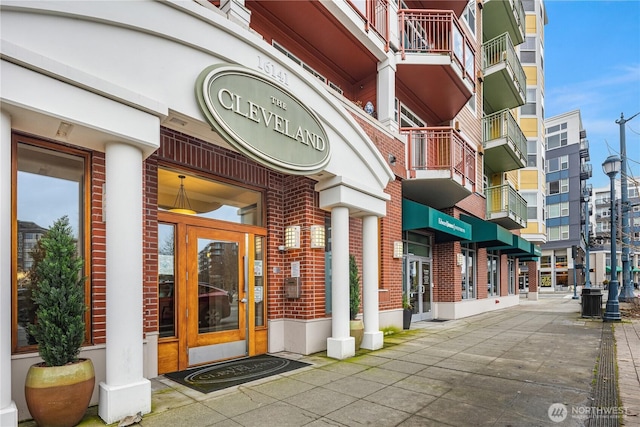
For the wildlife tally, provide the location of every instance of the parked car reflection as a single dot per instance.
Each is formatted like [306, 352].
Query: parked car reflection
[214, 304]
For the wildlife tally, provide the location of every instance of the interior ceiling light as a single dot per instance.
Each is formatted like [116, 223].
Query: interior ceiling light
[182, 204]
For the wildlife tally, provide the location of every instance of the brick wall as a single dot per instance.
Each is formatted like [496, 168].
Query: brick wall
[290, 200]
[481, 274]
[533, 276]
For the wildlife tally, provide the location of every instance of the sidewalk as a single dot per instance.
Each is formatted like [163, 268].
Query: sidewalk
[627, 335]
[520, 366]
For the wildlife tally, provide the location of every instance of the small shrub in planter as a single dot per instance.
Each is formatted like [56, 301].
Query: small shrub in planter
[59, 389]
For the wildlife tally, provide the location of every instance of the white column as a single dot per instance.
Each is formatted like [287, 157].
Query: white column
[126, 391]
[373, 338]
[8, 410]
[387, 94]
[340, 345]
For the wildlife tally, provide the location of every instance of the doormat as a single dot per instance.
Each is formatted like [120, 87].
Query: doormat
[439, 320]
[206, 379]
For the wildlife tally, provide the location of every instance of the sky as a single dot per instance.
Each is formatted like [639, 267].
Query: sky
[592, 64]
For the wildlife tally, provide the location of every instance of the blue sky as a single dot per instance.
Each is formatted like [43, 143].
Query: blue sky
[592, 64]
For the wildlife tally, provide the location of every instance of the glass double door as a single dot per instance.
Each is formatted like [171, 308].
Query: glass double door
[203, 290]
[418, 287]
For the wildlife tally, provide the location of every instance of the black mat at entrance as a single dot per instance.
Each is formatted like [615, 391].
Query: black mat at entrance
[214, 377]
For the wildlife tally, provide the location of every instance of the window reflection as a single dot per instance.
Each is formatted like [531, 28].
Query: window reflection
[218, 274]
[210, 199]
[50, 185]
[166, 280]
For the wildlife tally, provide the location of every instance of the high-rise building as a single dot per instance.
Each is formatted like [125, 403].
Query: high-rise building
[567, 172]
[531, 182]
[601, 238]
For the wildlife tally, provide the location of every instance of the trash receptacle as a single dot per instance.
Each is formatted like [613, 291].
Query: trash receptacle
[591, 302]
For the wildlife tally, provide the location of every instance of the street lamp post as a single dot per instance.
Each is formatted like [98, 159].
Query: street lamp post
[627, 288]
[611, 167]
[587, 280]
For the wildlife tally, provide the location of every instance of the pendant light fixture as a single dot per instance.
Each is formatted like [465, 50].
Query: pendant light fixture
[181, 204]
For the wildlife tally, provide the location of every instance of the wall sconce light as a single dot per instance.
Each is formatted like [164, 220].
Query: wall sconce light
[317, 236]
[292, 237]
[398, 249]
[392, 159]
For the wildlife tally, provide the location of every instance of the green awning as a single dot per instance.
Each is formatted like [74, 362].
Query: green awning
[447, 228]
[608, 269]
[519, 248]
[536, 251]
[488, 234]
[636, 270]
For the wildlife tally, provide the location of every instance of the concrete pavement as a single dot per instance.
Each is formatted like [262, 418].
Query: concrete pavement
[530, 365]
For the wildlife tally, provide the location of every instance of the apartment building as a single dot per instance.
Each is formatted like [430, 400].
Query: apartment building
[600, 243]
[252, 147]
[531, 181]
[567, 171]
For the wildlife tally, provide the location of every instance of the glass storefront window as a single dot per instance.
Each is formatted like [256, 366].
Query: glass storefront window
[493, 268]
[49, 184]
[468, 271]
[166, 280]
[207, 198]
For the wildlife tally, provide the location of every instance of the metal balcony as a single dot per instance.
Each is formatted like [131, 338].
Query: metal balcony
[436, 60]
[442, 167]
[506, 207]
[505, 145]
[499, 16]
[505, 82]
[585, 171]
[584, 149]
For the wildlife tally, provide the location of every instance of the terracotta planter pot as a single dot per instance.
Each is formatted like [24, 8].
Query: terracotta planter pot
[58, 396]
[356, 330]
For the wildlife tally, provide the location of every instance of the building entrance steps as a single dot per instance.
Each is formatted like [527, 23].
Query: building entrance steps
[528, 365]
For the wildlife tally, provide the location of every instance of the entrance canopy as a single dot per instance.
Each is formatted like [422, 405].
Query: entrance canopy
[446, 228]
[487, 234]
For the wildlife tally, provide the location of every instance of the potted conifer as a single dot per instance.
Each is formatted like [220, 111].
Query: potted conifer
[356, 327]
[58, 390]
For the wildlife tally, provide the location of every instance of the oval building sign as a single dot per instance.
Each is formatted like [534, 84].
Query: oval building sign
[262, 120]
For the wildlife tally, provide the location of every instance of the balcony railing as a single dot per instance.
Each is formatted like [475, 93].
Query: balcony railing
[503, 126]
[518, 11]
[584, 149]
[585, 171]
[504, 202]
[500, 50]
[504, 15]
[436, 32]
[376, 16]
[441, 148]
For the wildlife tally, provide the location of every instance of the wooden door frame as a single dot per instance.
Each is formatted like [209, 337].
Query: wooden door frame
[178, 344]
